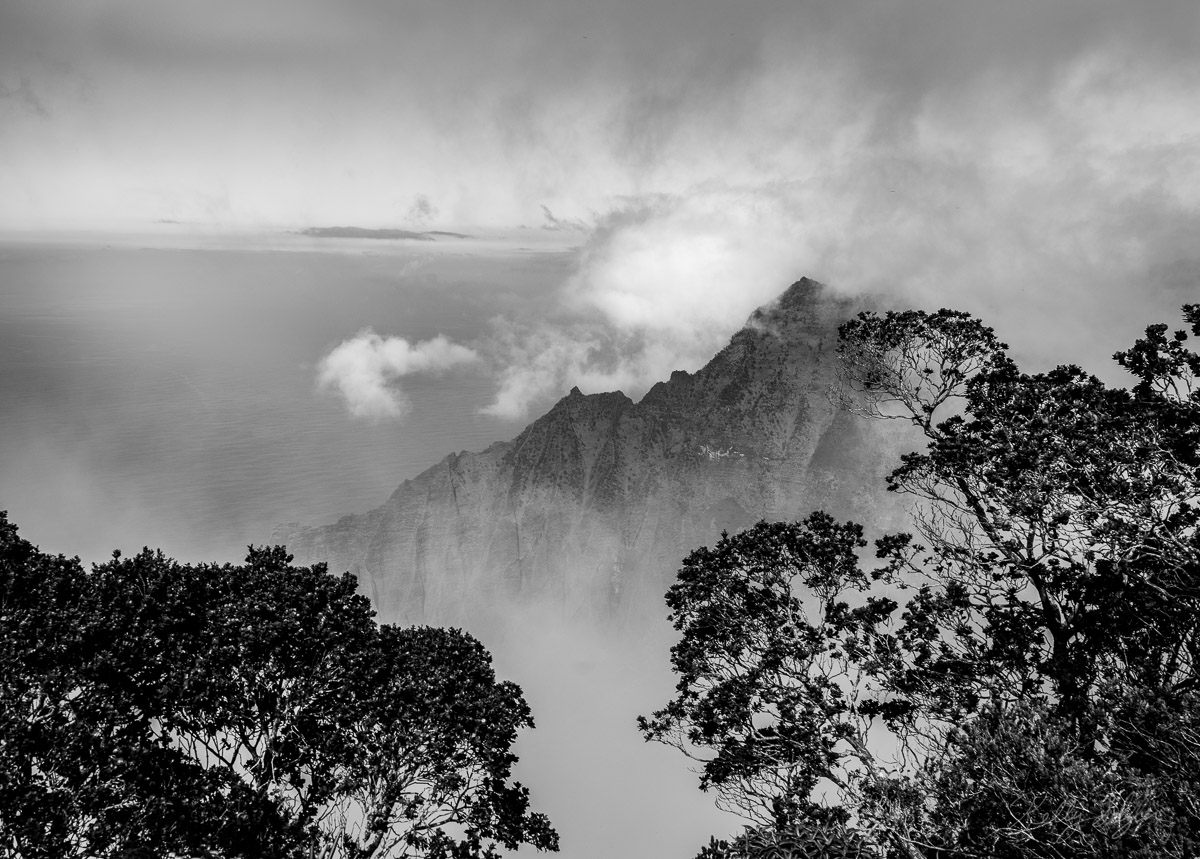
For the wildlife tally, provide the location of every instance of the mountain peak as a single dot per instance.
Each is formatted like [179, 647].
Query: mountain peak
[804, 291]
[593, 504]
[802, 299]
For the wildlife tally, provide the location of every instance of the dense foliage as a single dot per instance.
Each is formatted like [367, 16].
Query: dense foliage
[1019, 677]
[149, 708]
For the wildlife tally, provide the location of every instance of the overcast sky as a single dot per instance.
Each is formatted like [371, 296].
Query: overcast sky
[297, 111]
[701, 154]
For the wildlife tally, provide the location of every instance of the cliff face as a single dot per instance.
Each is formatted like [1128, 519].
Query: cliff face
[593, 506]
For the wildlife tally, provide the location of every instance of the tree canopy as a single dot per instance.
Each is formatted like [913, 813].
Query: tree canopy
[1019, 676]
[159, 709]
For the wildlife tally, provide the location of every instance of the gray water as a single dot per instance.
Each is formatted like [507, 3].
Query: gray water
[166, 397]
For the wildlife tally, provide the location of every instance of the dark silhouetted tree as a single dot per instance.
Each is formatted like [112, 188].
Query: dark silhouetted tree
[1051, 593]
[243, 710]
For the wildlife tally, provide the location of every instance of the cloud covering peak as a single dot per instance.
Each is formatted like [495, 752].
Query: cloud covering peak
[1035, 163]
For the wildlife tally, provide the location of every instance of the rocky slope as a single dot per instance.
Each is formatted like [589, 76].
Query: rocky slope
[592, 507]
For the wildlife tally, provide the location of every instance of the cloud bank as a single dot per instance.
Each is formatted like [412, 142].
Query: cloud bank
[658, 286]
[1057, 197]
[1038, 164]
[366, 370]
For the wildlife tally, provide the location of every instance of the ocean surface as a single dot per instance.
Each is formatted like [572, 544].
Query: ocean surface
[161, 392]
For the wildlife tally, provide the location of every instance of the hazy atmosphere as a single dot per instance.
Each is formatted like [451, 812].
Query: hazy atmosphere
[989, 152]
[585, 194]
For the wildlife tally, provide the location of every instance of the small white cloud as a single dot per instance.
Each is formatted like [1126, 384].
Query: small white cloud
[366, 370]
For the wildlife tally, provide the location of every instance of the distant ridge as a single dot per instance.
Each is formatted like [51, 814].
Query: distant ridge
[365, 233]
[593, 506]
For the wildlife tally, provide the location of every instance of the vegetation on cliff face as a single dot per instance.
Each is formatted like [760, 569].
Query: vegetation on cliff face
[149, 708]
[1020, 677]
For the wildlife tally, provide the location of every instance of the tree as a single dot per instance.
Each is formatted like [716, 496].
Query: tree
[1060, 514]
[221, 710]
[796, 842]
[250, 670]
[392, 801]
[780, 679]
[1053, 591]
[1021, 782]
[81, 772]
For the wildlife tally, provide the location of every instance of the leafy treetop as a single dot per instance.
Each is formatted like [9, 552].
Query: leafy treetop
[249, 710]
